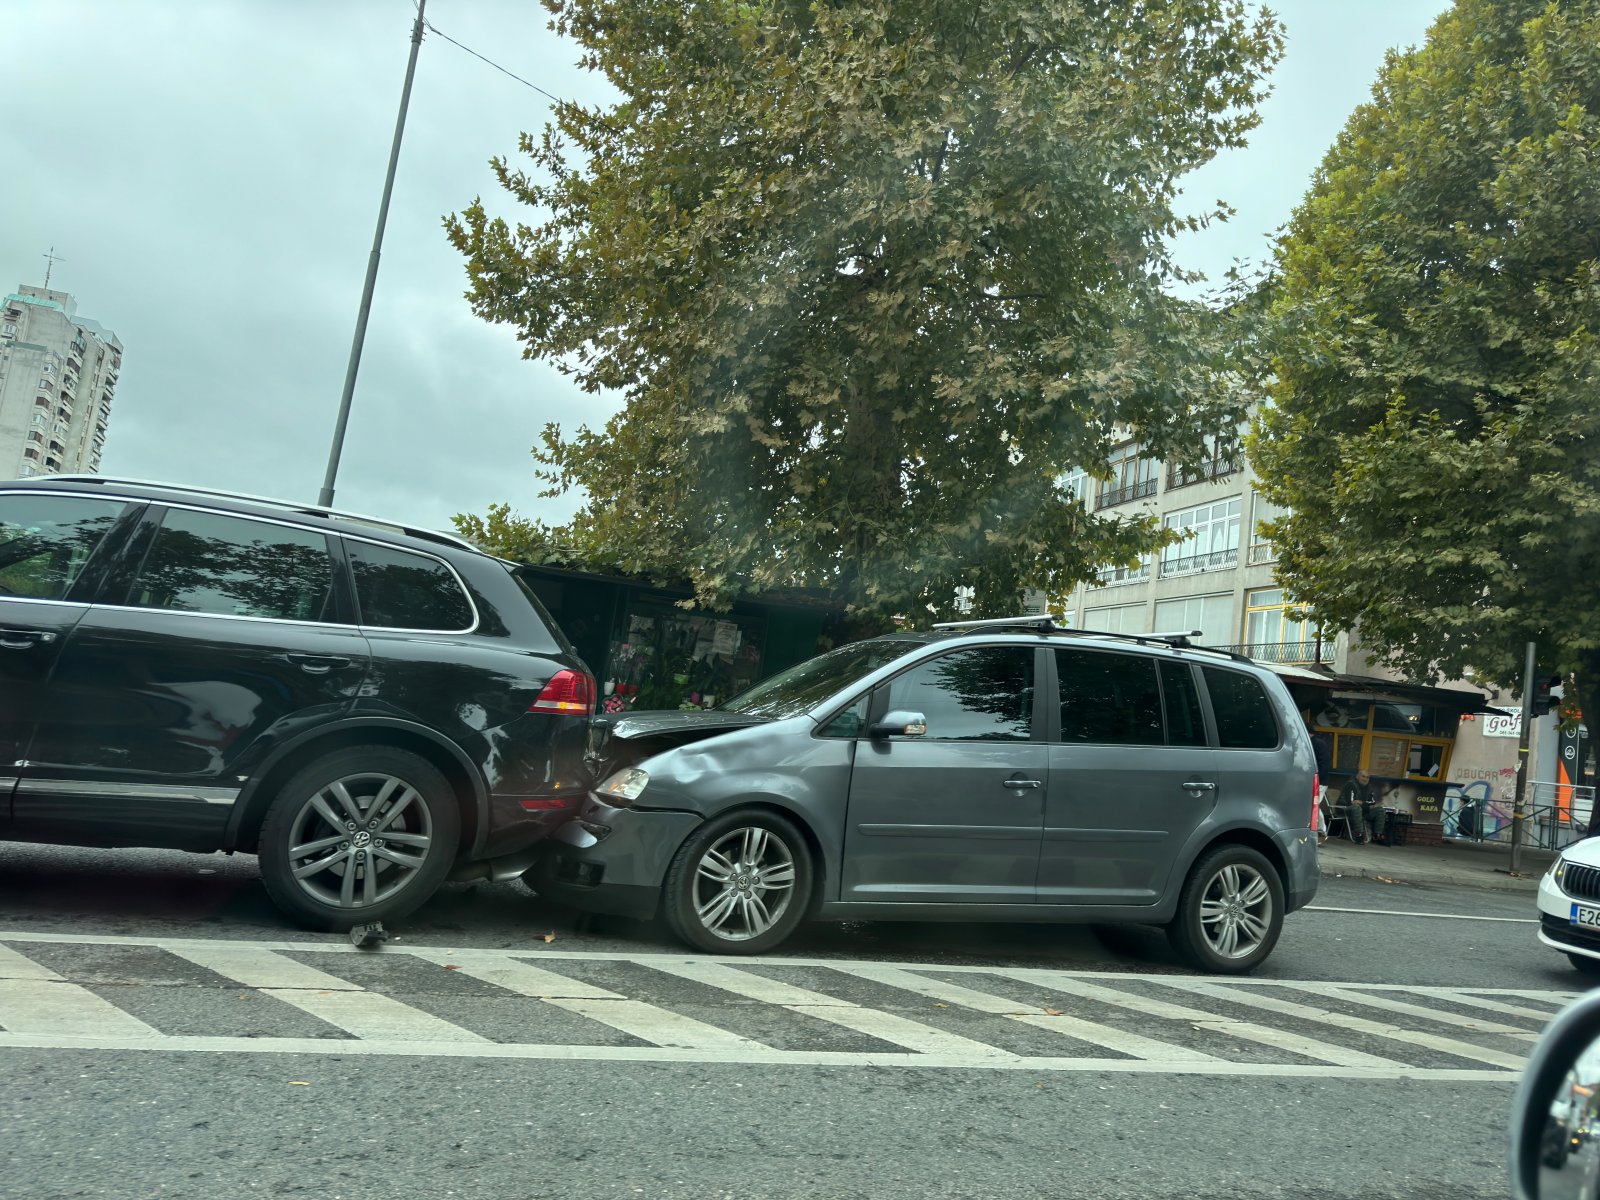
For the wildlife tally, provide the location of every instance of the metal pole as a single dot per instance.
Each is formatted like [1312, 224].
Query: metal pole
[326, 497]
[1518, 814]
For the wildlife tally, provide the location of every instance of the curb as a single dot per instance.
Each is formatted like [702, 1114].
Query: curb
[1478, 882]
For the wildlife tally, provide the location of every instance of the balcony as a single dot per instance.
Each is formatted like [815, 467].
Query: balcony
[1177, 477]
[1263, 552]
[1285, 653]
[1214, 561]
[1112, 576]
[1109, 497]
[74, 365]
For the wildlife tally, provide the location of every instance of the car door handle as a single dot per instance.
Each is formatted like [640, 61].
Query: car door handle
[1020, 784]
[318, 664]
[24, 639]
[1196, 785]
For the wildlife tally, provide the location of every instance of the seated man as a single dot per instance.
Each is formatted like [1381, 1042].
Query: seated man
[1361, 803]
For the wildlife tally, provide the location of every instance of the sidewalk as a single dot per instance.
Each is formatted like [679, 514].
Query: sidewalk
[1455, 864]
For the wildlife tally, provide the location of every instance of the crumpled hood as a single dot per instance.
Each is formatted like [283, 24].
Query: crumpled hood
[666, 722]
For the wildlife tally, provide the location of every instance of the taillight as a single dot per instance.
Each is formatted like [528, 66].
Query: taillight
[1316, 812]
[567, 692]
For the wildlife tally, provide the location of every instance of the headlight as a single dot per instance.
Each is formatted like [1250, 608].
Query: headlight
[627, 784]
[1558, 869]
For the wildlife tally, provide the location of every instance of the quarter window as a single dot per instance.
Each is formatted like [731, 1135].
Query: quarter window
[982, 694]
[1243, 712]
[45, 541]
[399, 590]
[1109, 699]
[232, 566]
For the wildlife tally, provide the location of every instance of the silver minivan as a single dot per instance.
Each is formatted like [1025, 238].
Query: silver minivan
[1012, 771]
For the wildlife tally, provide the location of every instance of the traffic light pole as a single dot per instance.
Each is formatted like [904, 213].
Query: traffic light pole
[1518, 813]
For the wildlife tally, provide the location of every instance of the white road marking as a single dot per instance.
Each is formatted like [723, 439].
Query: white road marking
[1353, 1024]
[51, 1007]
[258, 967]
[1395, 912]
[1455, 996]
[1278, 1039]
[886, 1027]
[1106, 1037]
[633, 1017]
[17, 966]
[1347, 994]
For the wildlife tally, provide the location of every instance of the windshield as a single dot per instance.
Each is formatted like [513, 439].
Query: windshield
[805, 685]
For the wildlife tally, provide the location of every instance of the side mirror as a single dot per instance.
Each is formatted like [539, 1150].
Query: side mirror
[899, 724]
[1555, 1118]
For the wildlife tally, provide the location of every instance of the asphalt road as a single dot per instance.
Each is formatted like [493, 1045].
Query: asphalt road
[191, 1044]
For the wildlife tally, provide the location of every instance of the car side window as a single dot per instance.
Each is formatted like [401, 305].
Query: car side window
[1243, 712]
[1185, 724]
[1109, 699]
[847, 723]
[982, 694]
[399, 590]
[45, 540]
[233, 566]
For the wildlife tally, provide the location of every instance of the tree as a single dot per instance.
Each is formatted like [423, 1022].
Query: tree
[1436, 416]
[871, 276]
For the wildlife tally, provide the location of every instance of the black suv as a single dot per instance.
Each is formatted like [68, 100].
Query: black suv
[369, 707]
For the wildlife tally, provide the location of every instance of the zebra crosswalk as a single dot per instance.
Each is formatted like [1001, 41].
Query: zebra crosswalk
[91, 992]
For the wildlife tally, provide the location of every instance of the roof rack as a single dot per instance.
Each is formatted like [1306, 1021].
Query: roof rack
[310, 510]
[1051, 623]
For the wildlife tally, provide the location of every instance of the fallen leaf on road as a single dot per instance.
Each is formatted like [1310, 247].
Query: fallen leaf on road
[549, 937]
[298, 1083]
[1383, 879]
[451, 967]
[936, 1004]
[1052, 1012]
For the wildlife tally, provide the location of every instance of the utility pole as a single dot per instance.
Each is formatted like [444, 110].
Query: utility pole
[1518, 813]
[325, 499]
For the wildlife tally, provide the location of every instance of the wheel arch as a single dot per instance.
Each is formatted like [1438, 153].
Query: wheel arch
[244, 825]
[1243, 835]
[819, 860]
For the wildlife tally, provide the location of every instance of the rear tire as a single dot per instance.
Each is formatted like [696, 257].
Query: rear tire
[1230, 911]
[740, 884]
[359, 835]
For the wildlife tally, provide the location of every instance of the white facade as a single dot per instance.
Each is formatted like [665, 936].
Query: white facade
[1217, 579]
[58, 374]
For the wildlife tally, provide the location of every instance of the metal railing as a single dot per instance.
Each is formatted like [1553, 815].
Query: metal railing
[1556, 815]
[1133, 491]
[1199, 562]
[1179, 477]
[1288, 653]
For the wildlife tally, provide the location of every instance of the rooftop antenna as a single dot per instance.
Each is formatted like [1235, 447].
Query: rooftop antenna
[50, 259]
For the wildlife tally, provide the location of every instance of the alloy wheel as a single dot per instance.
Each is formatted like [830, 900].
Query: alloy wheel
[744, 883]
[359, 840]
[1236, 911]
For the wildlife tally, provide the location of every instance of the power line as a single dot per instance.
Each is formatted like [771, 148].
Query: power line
[432, 28]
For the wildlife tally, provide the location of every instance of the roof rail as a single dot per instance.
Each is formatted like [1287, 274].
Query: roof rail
[1051, 623]
[310, 510]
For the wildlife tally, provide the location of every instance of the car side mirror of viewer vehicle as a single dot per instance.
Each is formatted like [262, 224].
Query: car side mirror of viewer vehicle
[899, 724]
[1555, 1118]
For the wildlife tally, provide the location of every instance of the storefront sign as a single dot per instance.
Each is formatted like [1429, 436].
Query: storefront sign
[1508, 726]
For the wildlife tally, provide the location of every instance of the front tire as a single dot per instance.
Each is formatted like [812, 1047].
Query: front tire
[359, 835]
[1230, 912]
[1585, 965]
[740, 884]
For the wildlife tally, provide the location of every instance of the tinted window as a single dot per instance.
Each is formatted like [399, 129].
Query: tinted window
[1109, 698]
[1243, 712]
[398, 590]
[1185, 725]
[45, 540]
[983, 694]
[210, 563]
[848, 723]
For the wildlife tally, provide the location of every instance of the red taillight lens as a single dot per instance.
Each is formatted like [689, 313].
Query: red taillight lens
[567, 692]
[1316, 811]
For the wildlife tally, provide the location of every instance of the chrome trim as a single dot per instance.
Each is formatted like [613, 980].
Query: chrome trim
[130, 791]
[7, 782]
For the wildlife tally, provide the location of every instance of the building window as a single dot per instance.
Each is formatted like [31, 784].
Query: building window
[1210, 534]
[1211, 615]
[1132, 477]
[32, 453]
[1221, 459]
[1392, 740]
[28, 470]
[35, 435]
[49, 368]
[1075, 483]
[1274, 632]
[1118, 618]
[40, 418]
[1262, 550]
[8, 328]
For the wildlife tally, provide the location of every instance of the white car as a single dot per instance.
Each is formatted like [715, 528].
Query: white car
[1569, 905]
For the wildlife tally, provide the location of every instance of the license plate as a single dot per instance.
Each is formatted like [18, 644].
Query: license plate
[1582, 914]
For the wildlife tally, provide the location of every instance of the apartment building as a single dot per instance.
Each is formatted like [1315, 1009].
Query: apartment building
[58, 376]
[1218, 579]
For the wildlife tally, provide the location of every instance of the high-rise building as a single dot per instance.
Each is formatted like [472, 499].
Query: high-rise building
[58, 373]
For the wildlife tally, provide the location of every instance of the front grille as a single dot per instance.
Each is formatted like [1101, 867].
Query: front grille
[1581, 882]
[1559, 930]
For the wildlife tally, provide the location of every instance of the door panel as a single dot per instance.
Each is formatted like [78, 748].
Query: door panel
[46, 542]
[161, 707]
[1131, 777]
[932, 819]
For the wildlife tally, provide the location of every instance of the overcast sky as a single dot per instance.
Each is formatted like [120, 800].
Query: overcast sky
[209, 173]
